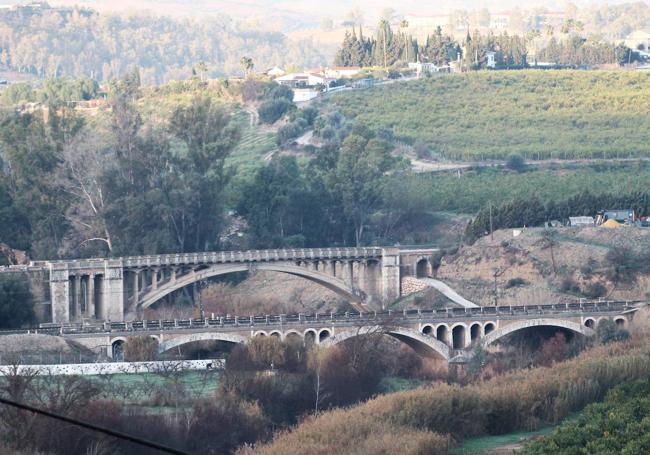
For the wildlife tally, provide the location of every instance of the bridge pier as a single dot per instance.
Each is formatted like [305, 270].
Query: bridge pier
[390, 275]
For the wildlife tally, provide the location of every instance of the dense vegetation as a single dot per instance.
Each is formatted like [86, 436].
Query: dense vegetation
[617, 425]
[266, 385]
[16, 302]
[434, 417]
[510, 51]
[475, 116]
[53, 42]
[532, 212]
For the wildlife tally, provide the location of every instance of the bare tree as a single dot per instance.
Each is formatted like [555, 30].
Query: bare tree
[85, 159]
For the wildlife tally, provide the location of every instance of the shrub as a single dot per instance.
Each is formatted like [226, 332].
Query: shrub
[519, 400]
[608, 332]
[516, 163]
[140, 349]
[271, 111]
[16, 302]
[516, 282]
[569, 286]
[595, 290]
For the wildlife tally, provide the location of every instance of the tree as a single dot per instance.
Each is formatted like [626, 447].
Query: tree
[140, 349]
[205, 129]
[85, 159]
[32, 151]
[549, 239]
[360, 169]
[555, 349]
[247, 64]
[202, 68]
[16, 302]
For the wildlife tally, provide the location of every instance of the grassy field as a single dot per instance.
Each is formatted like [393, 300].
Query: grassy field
[255, 144]
[475, 189]
[538, 114]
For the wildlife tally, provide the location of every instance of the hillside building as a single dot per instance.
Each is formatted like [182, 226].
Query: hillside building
[639, 40]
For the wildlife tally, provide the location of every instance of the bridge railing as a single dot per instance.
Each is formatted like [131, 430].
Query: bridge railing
[252, 256]
[350, 318]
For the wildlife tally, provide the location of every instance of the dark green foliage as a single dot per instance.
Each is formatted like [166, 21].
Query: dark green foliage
[516, 163]
[578, 51]
[271, 111]
[300, 121]
[620, 424]
[16, 302]
[526, 212]
[491, 115]
[515, 282]
[595, 290]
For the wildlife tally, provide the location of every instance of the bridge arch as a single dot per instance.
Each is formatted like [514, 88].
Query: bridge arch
[190, 338]
[542, 322]
[424, 345]
[330, 282]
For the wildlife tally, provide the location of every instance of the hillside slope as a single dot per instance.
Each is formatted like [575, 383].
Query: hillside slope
[525, 271]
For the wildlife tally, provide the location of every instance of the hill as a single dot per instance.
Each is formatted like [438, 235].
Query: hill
[583, 263]
[490, 115]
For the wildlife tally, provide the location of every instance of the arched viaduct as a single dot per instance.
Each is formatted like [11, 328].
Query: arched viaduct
[439, 334]
[116, 289]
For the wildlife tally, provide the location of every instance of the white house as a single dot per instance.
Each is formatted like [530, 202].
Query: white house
[304, 80]
[305, 86]
[340, 72]
[422, 67]
[499, 21]
[639, 40]
[275, 72]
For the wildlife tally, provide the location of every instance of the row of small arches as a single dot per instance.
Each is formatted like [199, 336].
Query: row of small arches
[456, 336]
[592, 323]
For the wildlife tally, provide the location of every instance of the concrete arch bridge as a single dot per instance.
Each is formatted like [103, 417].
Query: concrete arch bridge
[444, 334]
[115, 289]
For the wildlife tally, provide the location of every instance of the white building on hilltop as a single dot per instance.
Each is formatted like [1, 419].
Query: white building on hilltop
[639, 40]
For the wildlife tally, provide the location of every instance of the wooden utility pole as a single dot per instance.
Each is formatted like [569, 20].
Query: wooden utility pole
[491, 225]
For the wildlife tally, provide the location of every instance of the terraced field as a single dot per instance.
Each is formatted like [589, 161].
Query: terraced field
[255, 145]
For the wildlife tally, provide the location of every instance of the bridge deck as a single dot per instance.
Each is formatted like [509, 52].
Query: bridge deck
[348, 319]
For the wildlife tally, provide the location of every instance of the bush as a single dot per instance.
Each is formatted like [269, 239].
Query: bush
[141, 349]
[281, 92]
[618, 425]
[569, 286]
[16, 302]
[271, 111]
[609, 332]
[516, 163]
[520, 400]
[516, 282]
[595, 290]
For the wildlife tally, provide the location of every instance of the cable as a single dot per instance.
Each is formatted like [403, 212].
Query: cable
[90, 426]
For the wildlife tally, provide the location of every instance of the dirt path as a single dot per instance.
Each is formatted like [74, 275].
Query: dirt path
[422, 166]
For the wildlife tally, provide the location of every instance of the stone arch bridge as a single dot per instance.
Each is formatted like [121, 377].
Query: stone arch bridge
[445, 334]
[115, 289]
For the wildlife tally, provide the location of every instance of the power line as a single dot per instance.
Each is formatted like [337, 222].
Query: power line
[97, 428]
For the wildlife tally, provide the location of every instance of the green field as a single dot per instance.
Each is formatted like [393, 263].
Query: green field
[490, 115]
[254, 145]
[475, 189]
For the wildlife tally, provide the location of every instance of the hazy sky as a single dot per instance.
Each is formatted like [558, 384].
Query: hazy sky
[306, 11]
